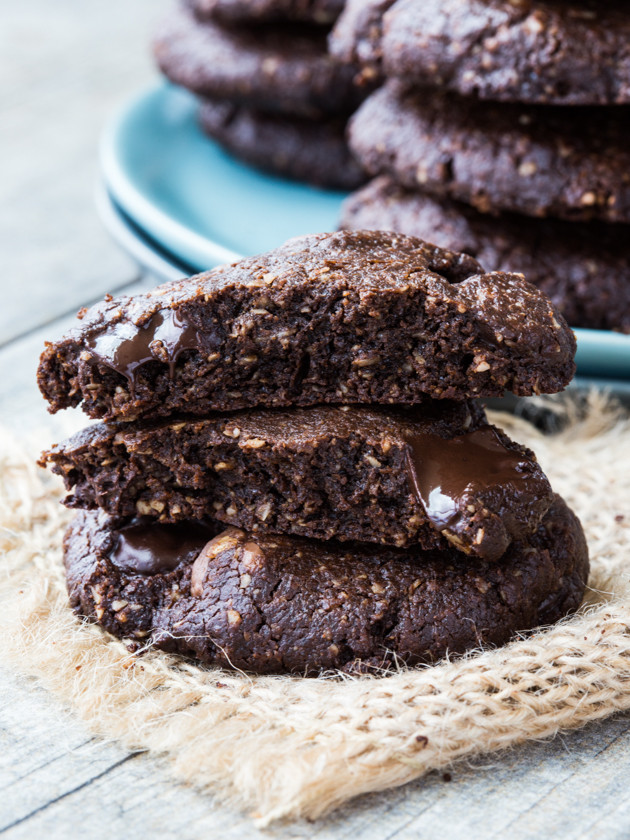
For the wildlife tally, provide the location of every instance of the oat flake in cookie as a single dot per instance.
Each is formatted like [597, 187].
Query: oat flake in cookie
[346, 317]
[558, 52]
[285, 605]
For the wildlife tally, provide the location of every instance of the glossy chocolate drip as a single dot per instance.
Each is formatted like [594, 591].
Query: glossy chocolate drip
[125, 347]
[153, 548]
[443, 471]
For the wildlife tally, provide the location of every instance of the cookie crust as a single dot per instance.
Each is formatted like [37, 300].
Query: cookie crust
[541, 51]
[319, 12]
[569, 163]
[315, 152]
[273, 68]
[284, 605]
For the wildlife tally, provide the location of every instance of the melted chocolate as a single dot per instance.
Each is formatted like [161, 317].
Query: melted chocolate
[442, 472]
[153, 548]
[125, 347]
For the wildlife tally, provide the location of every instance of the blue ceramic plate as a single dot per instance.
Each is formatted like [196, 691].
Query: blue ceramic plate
[203, 207]
[191, 196]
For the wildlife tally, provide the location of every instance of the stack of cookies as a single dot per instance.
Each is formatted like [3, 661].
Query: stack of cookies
[270, 92]
[501, 130]
[293, 474]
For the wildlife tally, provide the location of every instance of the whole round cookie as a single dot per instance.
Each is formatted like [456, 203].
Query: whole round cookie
[272, 68]
[285, 605]
[320, 12]
[570, 163]
[557, 52]
[314, 151]
[584, 267]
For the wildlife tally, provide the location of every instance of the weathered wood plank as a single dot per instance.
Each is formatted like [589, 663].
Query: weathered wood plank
[70, 780]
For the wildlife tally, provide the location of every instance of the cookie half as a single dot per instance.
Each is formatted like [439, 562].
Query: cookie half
[544, 51]
[346, 317]
[319, 12]
[285, 605]
[314, 151]
[271, 68]
[570, 163]
[584, 267]
[389, 477]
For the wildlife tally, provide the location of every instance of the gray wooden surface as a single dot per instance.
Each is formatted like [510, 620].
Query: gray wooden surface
[63, 66]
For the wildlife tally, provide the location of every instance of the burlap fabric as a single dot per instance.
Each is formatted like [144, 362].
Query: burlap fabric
[287, 747]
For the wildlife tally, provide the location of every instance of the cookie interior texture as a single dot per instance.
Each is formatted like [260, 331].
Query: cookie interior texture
[281, 604]
[426, 477]
[347, 317]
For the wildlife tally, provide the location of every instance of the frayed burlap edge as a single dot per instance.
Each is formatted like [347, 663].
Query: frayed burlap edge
[290, 747]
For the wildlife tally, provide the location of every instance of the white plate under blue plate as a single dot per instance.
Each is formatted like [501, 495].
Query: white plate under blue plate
[149, 256]
[205, 208]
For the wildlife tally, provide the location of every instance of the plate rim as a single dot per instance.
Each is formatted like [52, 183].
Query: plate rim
[148, 255]
[129, 196]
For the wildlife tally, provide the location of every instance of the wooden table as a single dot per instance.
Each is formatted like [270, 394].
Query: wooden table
[64, 65]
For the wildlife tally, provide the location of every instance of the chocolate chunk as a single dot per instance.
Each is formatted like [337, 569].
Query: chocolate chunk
[391, 477]
[347, 317]
[546, 51]
[312, 151]
[153, 548]
[571, 163]
[584, 267]
[285, 605]
[271, 68]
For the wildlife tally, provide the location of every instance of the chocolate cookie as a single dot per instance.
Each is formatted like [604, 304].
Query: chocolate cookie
[584, 267]
[356, 38]
[346, 317]
[273, 68]
[571, 163]
[309, 150]
[390, 477]
[320, 12]
[281, 604]
[557, 52]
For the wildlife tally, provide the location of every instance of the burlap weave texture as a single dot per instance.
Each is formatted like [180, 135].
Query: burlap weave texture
[282, 746]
